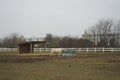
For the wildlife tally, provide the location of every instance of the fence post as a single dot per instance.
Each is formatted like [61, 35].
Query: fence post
[79, 50]
[87, 50]
[95, 50]
[46, 49]
[111, 50]
[40, 49]
[103, 50]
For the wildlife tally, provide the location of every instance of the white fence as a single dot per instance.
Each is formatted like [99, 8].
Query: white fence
[82, 49]
[8, 49]
[76, 49]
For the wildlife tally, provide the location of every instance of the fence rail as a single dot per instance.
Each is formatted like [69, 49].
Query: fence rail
[8, 49]
[76, 49]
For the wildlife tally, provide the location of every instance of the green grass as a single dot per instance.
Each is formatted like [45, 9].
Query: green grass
[83, 67]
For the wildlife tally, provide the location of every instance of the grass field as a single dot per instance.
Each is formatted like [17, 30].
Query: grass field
[84, 66]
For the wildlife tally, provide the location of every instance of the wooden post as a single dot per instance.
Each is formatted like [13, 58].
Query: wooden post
[45, 46]
[31, 48]
[18, 50]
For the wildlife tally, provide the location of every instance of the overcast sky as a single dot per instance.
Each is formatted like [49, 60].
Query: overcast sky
[36, 18]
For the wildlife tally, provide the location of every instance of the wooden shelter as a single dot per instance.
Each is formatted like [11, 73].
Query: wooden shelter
[28, 47]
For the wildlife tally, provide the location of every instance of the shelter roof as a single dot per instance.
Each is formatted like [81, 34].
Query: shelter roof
[31, 42]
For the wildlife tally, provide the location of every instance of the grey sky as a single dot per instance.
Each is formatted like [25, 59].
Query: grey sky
[36, 18]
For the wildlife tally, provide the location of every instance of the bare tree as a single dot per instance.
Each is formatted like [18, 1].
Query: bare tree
[102, 32]
[53, 40]
[12, 40]
[117, 34]
[0, 42]
[49, 37]
[105, 29]
[117, 29]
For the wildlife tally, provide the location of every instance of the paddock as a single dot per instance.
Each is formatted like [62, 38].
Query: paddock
[84, 66]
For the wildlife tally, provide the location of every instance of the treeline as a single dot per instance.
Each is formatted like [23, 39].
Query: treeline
[11, 40]
[67, 42]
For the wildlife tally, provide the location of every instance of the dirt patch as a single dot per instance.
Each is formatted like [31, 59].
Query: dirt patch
[110, 58]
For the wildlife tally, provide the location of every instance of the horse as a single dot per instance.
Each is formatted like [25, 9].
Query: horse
[56, 51]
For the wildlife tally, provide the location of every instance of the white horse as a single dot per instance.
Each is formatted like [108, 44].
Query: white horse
[56, 51]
